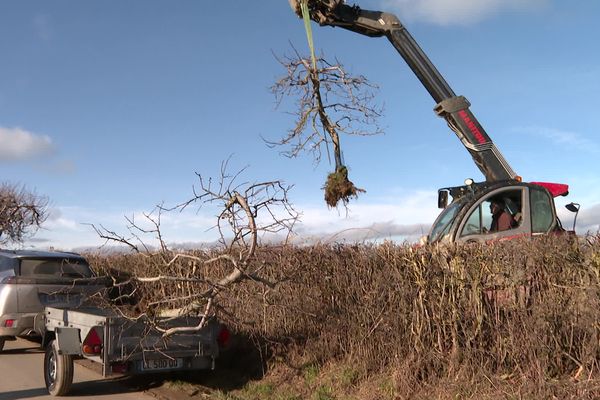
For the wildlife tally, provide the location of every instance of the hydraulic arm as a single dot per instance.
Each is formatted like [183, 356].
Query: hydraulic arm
[454, 109]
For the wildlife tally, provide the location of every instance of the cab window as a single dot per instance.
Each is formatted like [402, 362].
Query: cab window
[542, 216]
[498, 212]
[443, 222]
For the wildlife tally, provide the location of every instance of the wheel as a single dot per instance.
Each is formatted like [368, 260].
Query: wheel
[2, 340]
[58, 370]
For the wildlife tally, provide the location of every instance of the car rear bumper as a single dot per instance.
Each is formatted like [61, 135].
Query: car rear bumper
[18, 324]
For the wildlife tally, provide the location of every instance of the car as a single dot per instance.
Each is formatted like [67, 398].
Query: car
[31, 280]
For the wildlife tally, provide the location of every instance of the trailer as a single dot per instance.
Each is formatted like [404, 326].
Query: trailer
[122, 345]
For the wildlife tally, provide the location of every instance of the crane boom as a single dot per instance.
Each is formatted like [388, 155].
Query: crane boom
[454, 109]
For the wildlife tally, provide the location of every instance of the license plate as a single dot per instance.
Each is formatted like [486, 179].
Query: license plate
[162, 363]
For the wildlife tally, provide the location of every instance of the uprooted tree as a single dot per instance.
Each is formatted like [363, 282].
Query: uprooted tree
[328, 102]
[173, 283]
[22, 212]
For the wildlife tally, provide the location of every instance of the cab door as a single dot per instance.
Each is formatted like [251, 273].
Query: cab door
[477, 224]
[543, 211]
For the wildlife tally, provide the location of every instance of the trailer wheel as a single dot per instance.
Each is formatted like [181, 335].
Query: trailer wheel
[58, 370]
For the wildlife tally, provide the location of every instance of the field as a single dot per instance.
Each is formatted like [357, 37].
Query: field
[516, 319]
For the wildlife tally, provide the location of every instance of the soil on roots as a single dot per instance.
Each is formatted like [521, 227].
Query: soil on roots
[339, 187]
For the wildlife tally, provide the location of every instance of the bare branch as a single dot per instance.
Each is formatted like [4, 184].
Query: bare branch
[328, 102]
[246, 213]
[22, 212]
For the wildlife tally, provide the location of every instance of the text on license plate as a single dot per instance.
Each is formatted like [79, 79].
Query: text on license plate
[162, 363]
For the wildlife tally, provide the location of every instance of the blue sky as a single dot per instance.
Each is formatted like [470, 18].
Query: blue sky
[110, 107]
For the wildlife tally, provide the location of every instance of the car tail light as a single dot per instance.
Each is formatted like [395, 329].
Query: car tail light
[223, 337]
[92, 345]
[9, 323]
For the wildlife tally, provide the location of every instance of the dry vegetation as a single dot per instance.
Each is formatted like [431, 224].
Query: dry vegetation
[514, 319]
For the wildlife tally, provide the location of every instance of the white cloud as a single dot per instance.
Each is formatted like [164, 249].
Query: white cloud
[69, 228]
[402, 218]
[398, 219]
[588, 219]
[456, 12]
[17, 144]
[374, 232]
[561, 138]
[406, 217]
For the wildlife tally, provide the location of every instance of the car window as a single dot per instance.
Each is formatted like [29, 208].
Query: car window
[7, 267]
[56, 267]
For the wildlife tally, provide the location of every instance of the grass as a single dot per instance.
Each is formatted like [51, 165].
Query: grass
[387, 390]
[259, 390]
[323, 393]
[310, 373]
[348, 377]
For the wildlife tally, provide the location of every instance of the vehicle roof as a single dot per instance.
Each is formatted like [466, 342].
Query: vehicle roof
[477, 188]
[480, 188]
[555, 189]
[38, 254]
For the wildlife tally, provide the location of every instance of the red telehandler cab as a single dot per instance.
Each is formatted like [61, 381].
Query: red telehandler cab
[475, 209]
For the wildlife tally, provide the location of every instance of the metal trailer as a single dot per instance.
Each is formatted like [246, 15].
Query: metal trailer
[122, 345]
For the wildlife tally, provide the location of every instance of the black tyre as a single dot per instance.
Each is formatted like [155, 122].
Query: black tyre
[2, 340]
[58, 371]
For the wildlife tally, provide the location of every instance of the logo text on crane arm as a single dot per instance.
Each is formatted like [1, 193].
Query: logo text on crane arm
[472, 127]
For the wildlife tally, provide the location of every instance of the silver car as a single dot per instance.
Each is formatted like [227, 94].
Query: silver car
[31, 280]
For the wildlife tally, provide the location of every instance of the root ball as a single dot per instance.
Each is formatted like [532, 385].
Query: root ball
[339, 187]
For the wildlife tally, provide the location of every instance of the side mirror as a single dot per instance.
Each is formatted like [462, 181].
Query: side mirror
[442, 198]
[573, 207]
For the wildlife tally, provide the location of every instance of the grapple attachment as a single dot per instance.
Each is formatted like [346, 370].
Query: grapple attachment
[320, 11]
